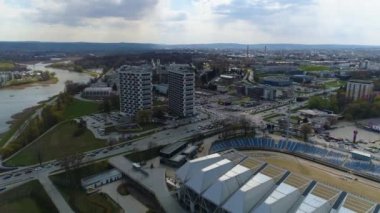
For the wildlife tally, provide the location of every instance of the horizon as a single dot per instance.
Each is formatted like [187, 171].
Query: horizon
[185, 44]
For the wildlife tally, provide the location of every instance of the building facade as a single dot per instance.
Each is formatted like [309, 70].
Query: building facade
[181, 90]
[359, 90]
[135, 89]
[97, 93]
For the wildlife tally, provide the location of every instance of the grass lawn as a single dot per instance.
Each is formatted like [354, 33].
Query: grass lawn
[56, 144]
[79, 108]
[77, 197]
[332, 84]
[271, 116]
[314, 68]
[6, 66]
[307, 169]
[29, 197]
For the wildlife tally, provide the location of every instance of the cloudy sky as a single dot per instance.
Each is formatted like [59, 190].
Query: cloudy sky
[192, 21]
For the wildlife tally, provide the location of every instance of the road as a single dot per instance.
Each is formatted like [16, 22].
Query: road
[24, 174]
[54, 194]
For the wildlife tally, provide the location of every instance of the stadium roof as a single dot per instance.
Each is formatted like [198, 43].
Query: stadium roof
[227, 184]
[321, 199]
[206, 177]
[354, 203]
[285, 194]
[233, 183]
[194, 167]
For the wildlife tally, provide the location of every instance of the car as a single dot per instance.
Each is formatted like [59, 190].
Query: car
[105, 151]
[17, 174]
[7, 177]
[28, 171]
[2, 189]
[37, 168]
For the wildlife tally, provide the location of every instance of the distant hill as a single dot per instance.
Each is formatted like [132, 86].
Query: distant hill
[84, 47]
[71, 47]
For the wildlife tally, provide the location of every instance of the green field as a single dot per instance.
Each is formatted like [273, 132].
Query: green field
[6, 66]
[77, 197]
[314, 68]
[332, 84]
[57, 143]
[79, 108]
[29, 197]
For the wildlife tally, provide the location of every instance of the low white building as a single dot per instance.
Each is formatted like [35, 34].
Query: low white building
[91, 183]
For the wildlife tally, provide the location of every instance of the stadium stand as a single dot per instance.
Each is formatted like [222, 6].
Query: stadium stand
[311, 151]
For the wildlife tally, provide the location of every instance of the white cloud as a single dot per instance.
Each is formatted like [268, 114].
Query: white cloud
[198, 21]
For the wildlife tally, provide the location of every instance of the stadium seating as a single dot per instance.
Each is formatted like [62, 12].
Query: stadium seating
[311, 150]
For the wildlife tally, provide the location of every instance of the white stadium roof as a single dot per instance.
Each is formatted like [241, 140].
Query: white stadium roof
[206, 177]
[194, 166]
[237, 183]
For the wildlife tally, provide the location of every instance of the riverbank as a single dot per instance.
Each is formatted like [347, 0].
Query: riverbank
[29, 83]
[16, 121]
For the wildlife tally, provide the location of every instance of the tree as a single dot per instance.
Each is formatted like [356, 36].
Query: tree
[70, 163]
[144, 116]
[158, 112]
[306, 129]
[114, 102]
[244, 124]
[114, 87]
[105, 106]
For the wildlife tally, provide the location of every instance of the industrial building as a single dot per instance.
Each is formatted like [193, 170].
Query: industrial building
[232, 182]
[181, 90]
[278, 81]
[135, 89]
[176, 154]
[306, 79]
[359, 90]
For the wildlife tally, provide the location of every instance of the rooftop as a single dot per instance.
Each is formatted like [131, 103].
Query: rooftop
[99, 177]
[135, 69]
[358, 152]
[361, 81]
[357, 204]
[169, 149]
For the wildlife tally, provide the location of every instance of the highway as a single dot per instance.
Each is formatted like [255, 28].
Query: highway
[24, 174]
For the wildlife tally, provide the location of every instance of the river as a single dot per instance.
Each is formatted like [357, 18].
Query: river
[13, 100]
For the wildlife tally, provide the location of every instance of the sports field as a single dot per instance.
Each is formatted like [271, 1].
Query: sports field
[321, 173]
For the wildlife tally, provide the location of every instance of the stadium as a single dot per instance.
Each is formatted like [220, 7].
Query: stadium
[230, 181]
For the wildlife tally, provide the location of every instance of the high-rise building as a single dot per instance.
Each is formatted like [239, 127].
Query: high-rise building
[135, 89]
[359, 90]
[181, 90]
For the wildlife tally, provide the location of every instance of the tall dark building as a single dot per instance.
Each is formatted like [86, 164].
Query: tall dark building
[181, 90]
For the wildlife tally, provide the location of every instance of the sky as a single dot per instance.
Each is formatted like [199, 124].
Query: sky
[192, 21]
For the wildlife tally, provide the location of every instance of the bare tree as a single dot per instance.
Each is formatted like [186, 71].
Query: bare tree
[306, 129]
